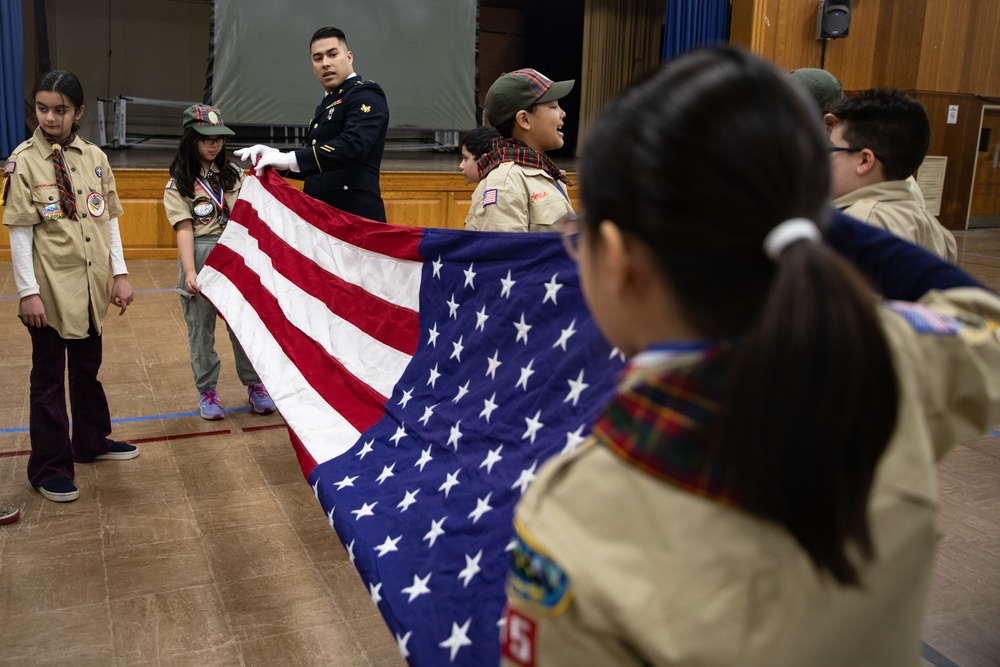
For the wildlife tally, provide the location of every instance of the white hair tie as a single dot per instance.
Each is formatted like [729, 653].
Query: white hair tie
[788, 232]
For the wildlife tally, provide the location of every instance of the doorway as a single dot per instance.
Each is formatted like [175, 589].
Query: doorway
[984, 207]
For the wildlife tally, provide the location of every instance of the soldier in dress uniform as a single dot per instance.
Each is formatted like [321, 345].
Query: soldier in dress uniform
[340, 161]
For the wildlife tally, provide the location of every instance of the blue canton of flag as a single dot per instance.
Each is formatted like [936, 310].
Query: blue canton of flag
[510, 370]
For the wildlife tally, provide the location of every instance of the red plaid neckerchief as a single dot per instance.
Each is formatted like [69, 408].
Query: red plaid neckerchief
[66, 197]
[666, 426]
[512, 150]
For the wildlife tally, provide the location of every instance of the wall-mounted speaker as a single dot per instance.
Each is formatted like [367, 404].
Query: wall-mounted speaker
[834, 19]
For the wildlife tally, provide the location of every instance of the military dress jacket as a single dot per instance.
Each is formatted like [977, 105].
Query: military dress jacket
[340, 162]
[622, 567]
[71, 258]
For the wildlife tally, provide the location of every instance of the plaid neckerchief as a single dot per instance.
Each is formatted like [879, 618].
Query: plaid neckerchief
[512, 150]
[666, 426]
[66, 196]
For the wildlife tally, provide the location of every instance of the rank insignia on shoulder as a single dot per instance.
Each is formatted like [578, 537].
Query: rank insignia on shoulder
[924, 320]
[536, 578]
[366, 108]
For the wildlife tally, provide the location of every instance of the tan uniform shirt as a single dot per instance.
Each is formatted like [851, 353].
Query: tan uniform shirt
[895, 207]
[514, 198]
[178, 207]
[71, 258]
[659, 576]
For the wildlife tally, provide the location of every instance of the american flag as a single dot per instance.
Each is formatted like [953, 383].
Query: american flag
[425, 375]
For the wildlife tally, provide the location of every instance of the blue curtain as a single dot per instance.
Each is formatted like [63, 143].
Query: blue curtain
[694, 23]
[11, 77]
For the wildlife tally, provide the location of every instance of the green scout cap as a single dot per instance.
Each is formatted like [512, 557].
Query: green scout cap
[519, 90]
[821, 85]
[205, 120]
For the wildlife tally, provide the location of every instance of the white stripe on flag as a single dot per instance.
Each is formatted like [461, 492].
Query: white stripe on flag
[374, 363]
[397, 281]
[320, 428]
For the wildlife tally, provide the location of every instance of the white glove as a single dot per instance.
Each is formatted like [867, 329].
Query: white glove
[278, 160]
[253, 153]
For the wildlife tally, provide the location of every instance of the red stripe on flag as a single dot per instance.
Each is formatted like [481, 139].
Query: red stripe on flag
[357, 403]
[306, 461]
[389, 240]
[387, 323]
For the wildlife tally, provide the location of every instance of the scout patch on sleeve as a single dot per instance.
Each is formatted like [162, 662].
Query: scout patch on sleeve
[11, 166]
[536, 578]
[490, 197]
[924, 320]
[169, 185]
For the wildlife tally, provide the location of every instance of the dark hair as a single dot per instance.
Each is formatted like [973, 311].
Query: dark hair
[63, 82]
[186, 165]
[479, 140]
[327, 33]
[506, 128]
[700, 163]
[892, 125]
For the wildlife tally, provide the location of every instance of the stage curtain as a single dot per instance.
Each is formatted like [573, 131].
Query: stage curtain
[11, 77]
[691, 24]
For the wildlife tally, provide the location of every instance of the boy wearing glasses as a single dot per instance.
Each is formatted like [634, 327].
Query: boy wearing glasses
[878, 139]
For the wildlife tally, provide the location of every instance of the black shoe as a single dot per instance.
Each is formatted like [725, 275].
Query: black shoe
[119, 451]
[61, 490]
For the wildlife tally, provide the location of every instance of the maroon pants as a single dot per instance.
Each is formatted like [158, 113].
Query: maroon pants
[52, 450]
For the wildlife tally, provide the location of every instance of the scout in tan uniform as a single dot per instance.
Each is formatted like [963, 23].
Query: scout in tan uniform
[878, 138]
[761, 491]
[62, 210]
[521, 189]
[198, 199]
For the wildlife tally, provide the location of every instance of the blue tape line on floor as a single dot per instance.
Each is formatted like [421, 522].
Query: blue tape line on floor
[931, 655]
[125, 420]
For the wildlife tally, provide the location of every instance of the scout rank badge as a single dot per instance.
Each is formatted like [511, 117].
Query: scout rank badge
[204, 208]
[96, 204]
[536, 578]
[5, 188]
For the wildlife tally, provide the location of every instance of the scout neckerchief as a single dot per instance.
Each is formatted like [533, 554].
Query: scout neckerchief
[512, 150]
[66, 197]
[666, 426]
[219, 199]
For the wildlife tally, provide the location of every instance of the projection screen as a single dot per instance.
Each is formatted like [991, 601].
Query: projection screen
[422, 53]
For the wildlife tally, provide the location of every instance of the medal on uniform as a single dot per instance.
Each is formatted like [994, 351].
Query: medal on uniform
[96, 204]
[217, 199]
[203, 209]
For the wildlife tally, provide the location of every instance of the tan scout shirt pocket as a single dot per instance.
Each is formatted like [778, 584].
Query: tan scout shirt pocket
[47, 204]
[545, 208]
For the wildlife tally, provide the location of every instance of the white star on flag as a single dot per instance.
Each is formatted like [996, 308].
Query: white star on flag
[388, 546]
[418, 588]
[457, 639]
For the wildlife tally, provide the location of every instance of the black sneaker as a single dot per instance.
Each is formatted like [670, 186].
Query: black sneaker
[61, 490]
[119, 451]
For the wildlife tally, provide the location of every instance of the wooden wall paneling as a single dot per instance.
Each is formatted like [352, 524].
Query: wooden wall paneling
[946, 30]
[980, 70]
[960, 143]
[852, 58]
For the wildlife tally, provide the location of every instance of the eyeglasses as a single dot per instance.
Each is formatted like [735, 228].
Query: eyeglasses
[569, 229]
[849, 149]
[210, 140]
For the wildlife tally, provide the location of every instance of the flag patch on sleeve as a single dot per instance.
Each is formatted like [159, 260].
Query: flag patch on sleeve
[9, 169]
[924, 320]
[490, 197]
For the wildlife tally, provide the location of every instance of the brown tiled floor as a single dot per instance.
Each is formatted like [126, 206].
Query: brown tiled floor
[210, 549]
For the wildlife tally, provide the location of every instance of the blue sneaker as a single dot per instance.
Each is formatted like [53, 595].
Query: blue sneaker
[211, 408]
[61, 490]
[260, 400]
[118, 451]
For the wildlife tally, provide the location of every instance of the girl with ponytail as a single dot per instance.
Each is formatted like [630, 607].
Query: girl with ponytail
[761, 489]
